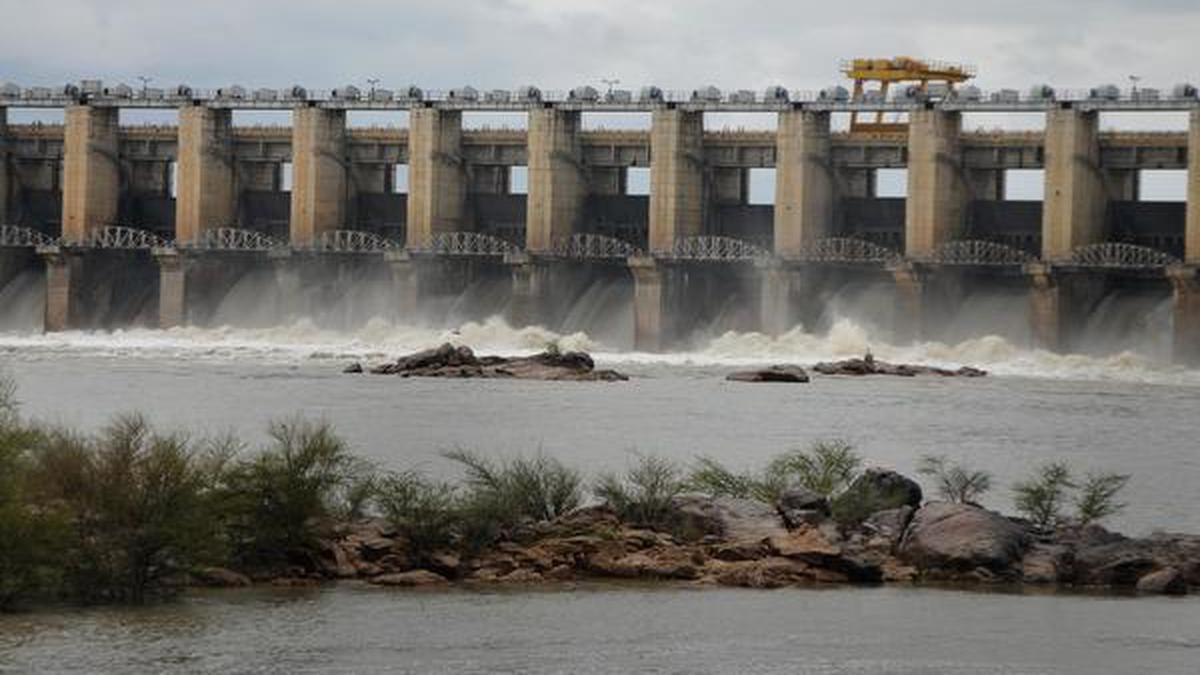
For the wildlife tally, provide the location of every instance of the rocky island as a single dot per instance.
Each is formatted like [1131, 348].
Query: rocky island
[450, 361]
[891, 536]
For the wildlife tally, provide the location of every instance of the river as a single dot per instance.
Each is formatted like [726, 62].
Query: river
[1122, 412]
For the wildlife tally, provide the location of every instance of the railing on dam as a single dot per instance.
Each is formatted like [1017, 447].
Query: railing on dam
[1117, 256]
[775, 98]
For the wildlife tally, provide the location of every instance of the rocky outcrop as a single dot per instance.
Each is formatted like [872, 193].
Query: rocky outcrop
[460, 362]
[948, 539]
[868, 365]
[781, 373]
[800, 540]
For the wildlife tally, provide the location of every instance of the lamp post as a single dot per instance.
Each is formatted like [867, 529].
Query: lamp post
[372, 81]
[610, 83]
[145, 80]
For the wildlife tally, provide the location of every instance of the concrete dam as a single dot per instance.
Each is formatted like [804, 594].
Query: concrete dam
[153, 225]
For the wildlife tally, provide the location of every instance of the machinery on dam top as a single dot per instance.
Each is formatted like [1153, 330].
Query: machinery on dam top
[920, 79]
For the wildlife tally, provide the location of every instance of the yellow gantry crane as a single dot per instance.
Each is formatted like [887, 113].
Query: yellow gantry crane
[917, 73]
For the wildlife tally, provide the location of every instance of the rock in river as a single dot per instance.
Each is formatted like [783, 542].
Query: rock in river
[961, 537]
[770, 374]
[460, 362]
[868, 365]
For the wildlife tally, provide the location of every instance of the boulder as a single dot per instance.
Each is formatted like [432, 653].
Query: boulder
[772, 572]
[726, 518]
[770, 374]
[220, 577]
[873, 491]
[800, 506]
[961, 538]
[413, 578]
[1045, 563]
[354, 368]
[808, 544]
[1123, 561]
[887, 527]
[1168, 581]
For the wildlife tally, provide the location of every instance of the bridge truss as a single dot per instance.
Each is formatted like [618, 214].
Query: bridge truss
[15, 236]
[354, 241]
[1112, 255]
[717, 249]
[467, 244]
[847, 250]
[980, 253]
[586, 246]
[125, 238]
[232, 239]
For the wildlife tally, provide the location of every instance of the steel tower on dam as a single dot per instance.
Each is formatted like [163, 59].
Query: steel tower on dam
[153, 224]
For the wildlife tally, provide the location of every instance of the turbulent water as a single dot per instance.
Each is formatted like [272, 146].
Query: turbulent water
[1122, 408]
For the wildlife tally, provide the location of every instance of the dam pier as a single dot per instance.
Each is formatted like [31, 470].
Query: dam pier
[153, 225]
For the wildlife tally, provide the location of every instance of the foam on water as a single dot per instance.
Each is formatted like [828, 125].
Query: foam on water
[380, 339]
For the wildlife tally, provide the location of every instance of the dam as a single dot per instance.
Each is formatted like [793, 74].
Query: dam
[154, 224]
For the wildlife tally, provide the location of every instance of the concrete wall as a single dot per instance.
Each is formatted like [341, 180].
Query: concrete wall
[319, 182]
[92, 171]
[206, 194]
[437, 187]
[936, 189]
[5, 181]
[1192, 236]
[1074, 202]
[804, 186]
[677, 198]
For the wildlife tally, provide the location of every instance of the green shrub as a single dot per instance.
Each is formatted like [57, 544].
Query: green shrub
[141, 507]
[500, 494]
[826, 468]
[32, 538]
[275, 500]
[642, 495]
[425, 512]
[1096, 498]
[710, 477]
[1041, 497]
[956, 482]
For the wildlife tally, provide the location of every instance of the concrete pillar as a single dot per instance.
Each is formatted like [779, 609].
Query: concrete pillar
[172, 290]
[1074, 202]
[1045, 308]
[1185, 281]
[804, 190]
[908, 322]
[676, 177]
[778, 302]
[91, 171]
[1192, 238]
[205, 194]
[437, 188]
[1060, 302]
[62, 301]
[319, 182]
[532, 283]
[933, 212]
[557, 180]
[655, 290]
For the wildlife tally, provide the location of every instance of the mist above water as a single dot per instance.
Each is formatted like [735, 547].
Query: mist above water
[1127, 336]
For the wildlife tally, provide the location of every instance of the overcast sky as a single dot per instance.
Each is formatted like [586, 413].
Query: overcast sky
[558, 44]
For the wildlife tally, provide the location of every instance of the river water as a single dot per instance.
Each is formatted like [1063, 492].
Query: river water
[1121, 412]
